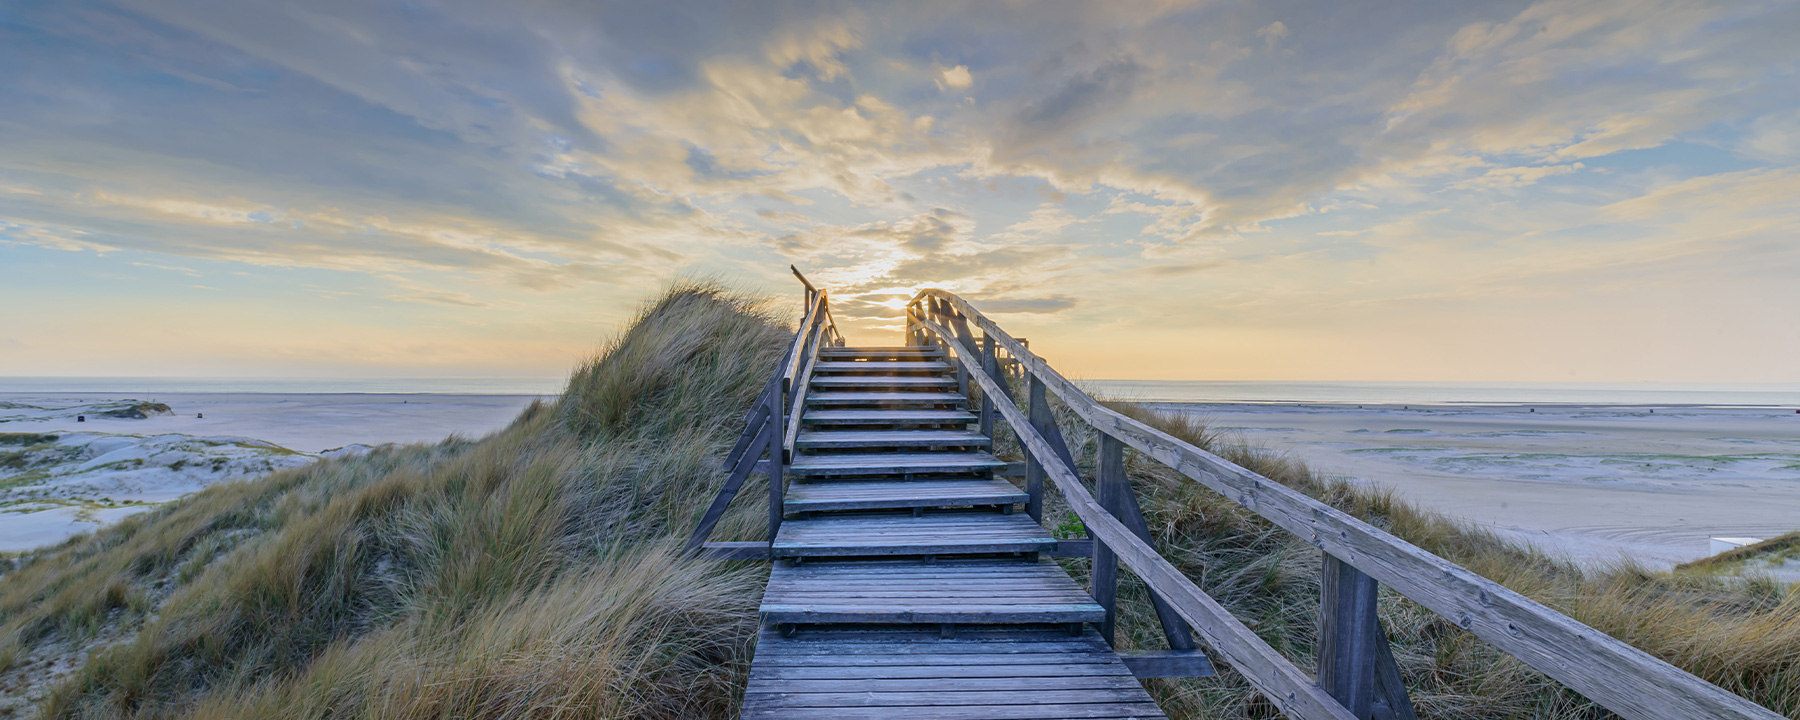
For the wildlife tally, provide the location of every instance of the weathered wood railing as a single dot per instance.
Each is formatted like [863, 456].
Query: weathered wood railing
[767, 442]
[1356, 675]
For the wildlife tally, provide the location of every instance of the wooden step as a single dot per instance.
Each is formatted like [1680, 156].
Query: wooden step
[828, 367]
[910, 352]
[974, 592]
[898, 463]
[884, 399]
[892, 533]
[870, 382]
[835, 439]
[886, 418]
[828, 495]
[981, 674]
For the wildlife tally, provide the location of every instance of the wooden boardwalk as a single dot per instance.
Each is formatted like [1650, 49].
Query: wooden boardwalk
[905, 584]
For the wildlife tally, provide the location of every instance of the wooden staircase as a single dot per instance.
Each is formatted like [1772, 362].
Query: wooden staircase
[904, 582]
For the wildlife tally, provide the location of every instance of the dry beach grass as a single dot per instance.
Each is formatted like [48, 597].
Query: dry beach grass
[530, 573]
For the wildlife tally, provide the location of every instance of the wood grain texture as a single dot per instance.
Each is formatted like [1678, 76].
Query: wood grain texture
[985, 675]
[894, 417]
[894, 463]
[945, 533]
[884, 399]
[1285, 685]
[819, 496]
[826, 439]
[953, 591]
[1614, 674]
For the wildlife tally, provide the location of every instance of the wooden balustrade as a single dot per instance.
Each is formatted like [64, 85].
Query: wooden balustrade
[1357, 677]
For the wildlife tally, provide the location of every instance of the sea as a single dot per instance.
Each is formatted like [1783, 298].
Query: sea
[1182, 391]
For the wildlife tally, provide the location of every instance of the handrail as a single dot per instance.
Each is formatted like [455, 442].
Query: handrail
[772, 423]
[1622, 678]
[1271, 673]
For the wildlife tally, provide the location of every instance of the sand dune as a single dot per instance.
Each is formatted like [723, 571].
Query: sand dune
[60, 476]
[1593, 482]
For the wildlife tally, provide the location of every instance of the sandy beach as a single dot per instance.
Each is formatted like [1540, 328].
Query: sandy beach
[1593, 482]
[62, 476]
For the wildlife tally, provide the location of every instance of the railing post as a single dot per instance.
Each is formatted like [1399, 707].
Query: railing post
[1034, 469]
[989, 366]
[1109, 482]
[1348, 632]
[777, 457]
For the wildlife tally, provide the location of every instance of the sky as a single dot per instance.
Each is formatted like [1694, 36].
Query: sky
[1558, 191]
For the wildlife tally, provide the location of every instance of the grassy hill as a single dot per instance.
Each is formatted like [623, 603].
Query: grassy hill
[531, 573]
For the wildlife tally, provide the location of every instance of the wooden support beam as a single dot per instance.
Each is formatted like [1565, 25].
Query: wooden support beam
[1034, 470]
[1167, 663]
[1285, 685]
[777, 463]
[1175, 629]
[747, 464]
[1081, 547]
[987, 401]
[755, 550]
[1391, 700]
[1348, 632]
[1109, 482]
[1614, 674]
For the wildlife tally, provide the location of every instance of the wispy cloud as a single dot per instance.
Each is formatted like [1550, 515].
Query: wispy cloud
[1056, 161]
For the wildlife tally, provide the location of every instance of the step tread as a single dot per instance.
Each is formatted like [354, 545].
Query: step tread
[815, 495]
[887, 417]
[884, 398]
[890, 438]
[882, 381]
[824, 367]
[895, 533]
[948, 591]
[894, 463]
[1003, 674]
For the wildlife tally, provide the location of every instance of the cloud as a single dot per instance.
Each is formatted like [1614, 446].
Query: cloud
[1038, 305]
[956, 77]
[1272, 34]
[440, 298]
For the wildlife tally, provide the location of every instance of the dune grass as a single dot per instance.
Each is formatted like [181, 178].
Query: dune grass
[1740, 633]
[531, 573]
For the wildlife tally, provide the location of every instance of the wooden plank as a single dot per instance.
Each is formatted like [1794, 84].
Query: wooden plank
[1167, 663]
[817, 439]
[721, 501]
[777, 463]
[823, 399]
[759, 411]
[904, 352]
[1175, 629]
[833, 367]
[1034, 470]
[802, 386]
[1073, 548]
[933, 534]
[755, 550]
[926, 672]
[895, 463]
[878, 494]
[861, 382]
[973, 592]
[1391, 701]
[1109, 711]
[1285, 685]
[1614, 674]
[1104, 574]
[1348, 631]
[987, 401]
[886, 417]
[979, 675]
